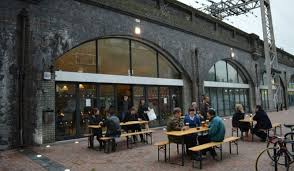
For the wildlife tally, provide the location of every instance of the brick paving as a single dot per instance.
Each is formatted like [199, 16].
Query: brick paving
[77, 157]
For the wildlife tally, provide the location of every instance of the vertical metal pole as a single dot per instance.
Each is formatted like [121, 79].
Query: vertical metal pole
[269, 46]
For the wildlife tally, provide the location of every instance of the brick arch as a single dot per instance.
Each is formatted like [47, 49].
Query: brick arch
[149, 43]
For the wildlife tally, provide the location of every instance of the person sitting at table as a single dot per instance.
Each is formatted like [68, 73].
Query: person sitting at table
[262, 123]
[192, 119]
[95, 119]
[112, 125]
[244, 127]
[216, 132]
[175, 124]
[133, 116]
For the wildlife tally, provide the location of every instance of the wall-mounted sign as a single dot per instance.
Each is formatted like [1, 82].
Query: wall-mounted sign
[47, 76]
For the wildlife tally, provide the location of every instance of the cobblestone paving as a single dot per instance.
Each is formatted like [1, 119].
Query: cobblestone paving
[77, 157]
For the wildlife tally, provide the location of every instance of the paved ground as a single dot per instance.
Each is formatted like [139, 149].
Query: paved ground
[77, 157]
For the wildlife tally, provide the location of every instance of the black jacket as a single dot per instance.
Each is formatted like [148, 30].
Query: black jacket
[263, 121]
[141, 113]
[236, 117]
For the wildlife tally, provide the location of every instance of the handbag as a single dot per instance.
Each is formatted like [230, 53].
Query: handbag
[151, 115]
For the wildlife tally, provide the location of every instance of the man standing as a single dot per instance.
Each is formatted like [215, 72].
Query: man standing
[124, 108]
[204, 108]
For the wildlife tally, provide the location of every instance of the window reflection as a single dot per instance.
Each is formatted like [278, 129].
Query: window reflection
[113, 56]
[221, 71]
[211, 74]
[65, 104]
[224, 100]
[166, 69]
[144, 61]
[232, 74]
[79, 59]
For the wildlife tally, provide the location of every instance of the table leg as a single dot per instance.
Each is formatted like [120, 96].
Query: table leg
[183, 149]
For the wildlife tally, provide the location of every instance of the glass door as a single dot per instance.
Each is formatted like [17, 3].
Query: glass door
[87, 101]
[121, 91]
[164, 105]
[138, 94]
[106, 98]
[65, 107]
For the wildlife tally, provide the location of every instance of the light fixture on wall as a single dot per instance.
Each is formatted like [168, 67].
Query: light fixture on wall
[137, 27]
[232, 53]
[137, 30]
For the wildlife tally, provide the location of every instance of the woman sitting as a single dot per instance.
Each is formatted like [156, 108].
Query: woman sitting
[244, 127]
[192, 119]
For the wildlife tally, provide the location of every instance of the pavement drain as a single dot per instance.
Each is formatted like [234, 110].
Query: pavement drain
[43, 161]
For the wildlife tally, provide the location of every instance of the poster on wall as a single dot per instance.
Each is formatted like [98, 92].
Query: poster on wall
[88, 102]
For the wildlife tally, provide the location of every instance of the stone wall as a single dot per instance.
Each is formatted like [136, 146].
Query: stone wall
[57, 26]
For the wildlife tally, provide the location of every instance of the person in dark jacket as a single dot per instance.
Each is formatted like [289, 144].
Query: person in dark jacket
[142, 110]
[263, 123]
[216, 131]
[204, 108]
[95, 119]
[125, 106]
[133, 116]
[244, 127]
[112, 125]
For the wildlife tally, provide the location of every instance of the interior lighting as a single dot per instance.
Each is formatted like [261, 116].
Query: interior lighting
[137, 30]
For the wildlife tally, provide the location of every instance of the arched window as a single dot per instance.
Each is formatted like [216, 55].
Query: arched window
[117, 56]
[223, 71]
[291, 82]
[222, 89]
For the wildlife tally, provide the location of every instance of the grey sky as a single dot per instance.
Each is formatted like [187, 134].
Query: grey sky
[283, 20]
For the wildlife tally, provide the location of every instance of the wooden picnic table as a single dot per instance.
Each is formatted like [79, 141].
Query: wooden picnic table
[123, 124]
[186, 132]
[250, 121]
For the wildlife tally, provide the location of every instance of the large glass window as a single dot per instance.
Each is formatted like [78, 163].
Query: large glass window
[106, 98]
[143, 60]
[113, 56]
[165, 104]
[87, 93]
[221, 71]
[65, 104]
[166, 69]
[211, 74]
[264, 99]
[79, 59]
[232, 74]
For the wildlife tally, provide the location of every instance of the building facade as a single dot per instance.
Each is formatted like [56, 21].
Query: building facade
[59, 59]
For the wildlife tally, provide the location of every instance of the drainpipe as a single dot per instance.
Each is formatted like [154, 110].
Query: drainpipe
[23, 20]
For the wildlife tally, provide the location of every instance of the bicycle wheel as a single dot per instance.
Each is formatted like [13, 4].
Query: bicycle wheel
[264, 162]
[270, 145]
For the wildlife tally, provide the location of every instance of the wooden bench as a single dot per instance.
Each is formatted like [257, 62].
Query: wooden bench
[218, 145]
[107, 140]
[275, 126]
[90, 140]
[161, 146]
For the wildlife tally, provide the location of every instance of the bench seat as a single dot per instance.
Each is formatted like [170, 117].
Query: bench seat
[127, 135]
[161, 146]
[218, 145]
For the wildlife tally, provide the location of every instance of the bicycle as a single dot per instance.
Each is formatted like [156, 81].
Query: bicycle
[277, 151]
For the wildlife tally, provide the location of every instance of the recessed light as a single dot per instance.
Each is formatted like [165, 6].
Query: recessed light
[39, 155]
[48, 146]
[77, 142]
[66, 169]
